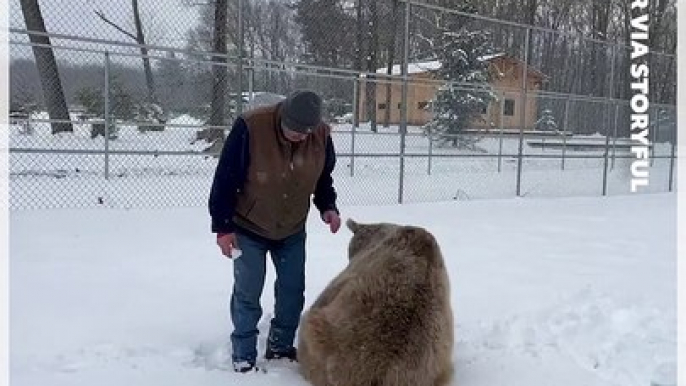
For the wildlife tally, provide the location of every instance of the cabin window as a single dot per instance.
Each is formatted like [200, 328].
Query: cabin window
[382, 106]
[484, 110]
[422, 105]
[508, 109]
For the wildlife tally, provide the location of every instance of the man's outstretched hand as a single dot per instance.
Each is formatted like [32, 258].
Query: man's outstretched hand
[332, 218]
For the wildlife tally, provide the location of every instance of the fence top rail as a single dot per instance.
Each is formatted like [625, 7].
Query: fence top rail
[122, 54]
[589, 98]
[521, 25]
[115, 43]
[118, 43]
[250, 62]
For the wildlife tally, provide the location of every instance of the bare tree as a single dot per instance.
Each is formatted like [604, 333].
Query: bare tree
[372, 54]
[554, 16]
[317, 19]
[47, 67]
[659, 40]
[531, 13]
[358, 56]
[390, 60]
[139, 37]
[213, 34]
[600, 23]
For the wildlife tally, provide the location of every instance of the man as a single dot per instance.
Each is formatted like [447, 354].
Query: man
[273, 161]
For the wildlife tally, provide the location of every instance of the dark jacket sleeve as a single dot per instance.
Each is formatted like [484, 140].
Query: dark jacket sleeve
[324, 193]
[229, 178]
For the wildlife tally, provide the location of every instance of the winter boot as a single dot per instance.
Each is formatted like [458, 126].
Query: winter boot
[290, 353]
[244, 367]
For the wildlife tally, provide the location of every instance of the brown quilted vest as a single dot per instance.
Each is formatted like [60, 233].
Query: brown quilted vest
[281, 178]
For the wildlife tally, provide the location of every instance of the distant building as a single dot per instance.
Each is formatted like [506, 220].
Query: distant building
[506, 73]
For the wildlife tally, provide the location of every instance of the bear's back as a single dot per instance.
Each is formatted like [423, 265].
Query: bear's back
[399, 297]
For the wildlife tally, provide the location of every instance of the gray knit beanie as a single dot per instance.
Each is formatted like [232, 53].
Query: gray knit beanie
[302, 111]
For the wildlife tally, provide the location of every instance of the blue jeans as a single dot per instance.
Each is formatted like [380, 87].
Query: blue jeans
[288, 257]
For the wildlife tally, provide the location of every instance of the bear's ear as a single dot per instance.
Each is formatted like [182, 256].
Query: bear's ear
[352, 225]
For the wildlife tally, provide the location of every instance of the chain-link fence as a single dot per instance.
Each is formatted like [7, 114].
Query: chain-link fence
[148, 120]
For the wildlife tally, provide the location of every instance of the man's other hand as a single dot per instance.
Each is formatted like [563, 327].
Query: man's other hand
[331, 217]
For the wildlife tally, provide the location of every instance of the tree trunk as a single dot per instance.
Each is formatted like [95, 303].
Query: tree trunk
[358, 65]
[47, 68]
[668, 94]
[556, 48]
[532, 6]
[599, 24]
[626, 90]
[140, 39]
[391, 58]
[219, 71]
[372, 64]
[656, 63]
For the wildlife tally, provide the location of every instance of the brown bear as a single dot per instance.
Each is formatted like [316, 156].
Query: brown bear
[386, 319]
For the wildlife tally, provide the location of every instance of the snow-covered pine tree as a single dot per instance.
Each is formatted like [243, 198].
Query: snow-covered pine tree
[665, 121]
[662, 125]
[547, 121]
[462, 51]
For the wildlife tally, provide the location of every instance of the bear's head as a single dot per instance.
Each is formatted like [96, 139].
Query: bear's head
[365, 236]
[412, 240]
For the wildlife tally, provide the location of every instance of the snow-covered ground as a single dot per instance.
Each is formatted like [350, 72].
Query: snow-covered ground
[564, 291]
[121, 283]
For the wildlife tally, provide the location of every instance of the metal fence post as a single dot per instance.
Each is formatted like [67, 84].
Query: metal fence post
[671, 161]
[502, 132]
[403, 105]
[614, 136]
[610, 94]
[356, 102]
[611, 86]
[654, 134]
[29, 129]
[107, 115]
[607, 148]
[251, 80]
[431, 150]
[239, 71]
[525, 71]
[564, 133]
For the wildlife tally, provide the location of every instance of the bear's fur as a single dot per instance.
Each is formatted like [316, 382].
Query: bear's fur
[386, 319]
